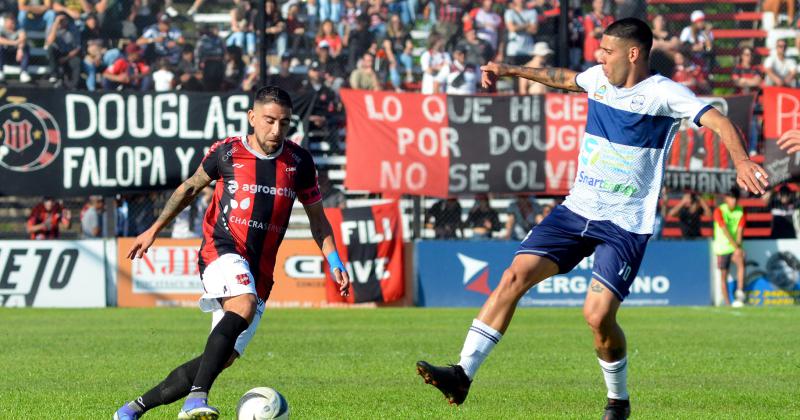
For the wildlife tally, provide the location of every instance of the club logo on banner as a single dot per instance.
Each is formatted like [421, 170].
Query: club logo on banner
[408, 143]
[370, 244]
[781, 114]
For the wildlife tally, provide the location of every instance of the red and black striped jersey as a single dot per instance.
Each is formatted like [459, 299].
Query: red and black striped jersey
[252, 202]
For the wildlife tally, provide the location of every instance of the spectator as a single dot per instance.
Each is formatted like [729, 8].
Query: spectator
[489, 26]
[432, 61]
[729, 219]
[631, 8]
[330, 10]
[163, 77]
[234, 68]
[747, 76]
[541, 51]
[121, 207]
[446, 15]
[90, 33]
[521, 24]
[285, 79]
[36, 15]
[189, 222]
[188, 75]
[243, 23]
[14, 41]
[210, 56]
[446, 215]
[593, 26]
[92, 220]
[699, 39]
[378, 14]
[325, 113]
[783, 205]
[63, 52]
[275, 26]
[296, 31]
[364, 77]
[521, 216]
[779, 69]
[399, 48]
[575, 39]
[74, 9]
[774, 6]
[458, 77]
[689, 75]
[47, 218]
[116, 18]
[331, 67]
[479, 52]
[162, 40]
[128, 72]
[92, 63]
[359, 41]
[482, 218]
[662, 39]
[546, 209]
[690, 211]
[332, 197]
[327, 34]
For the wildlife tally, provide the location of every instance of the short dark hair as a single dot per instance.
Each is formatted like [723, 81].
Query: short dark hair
[272, 94]
[735, 192]
[634, 30]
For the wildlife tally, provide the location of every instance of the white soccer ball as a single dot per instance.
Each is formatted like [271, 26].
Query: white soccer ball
[262, 403]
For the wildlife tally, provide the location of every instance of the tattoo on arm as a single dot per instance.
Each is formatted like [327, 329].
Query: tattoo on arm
[559, 78]
[596, 287]
[183, 196]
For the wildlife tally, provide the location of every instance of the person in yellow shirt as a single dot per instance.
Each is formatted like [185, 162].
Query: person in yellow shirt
[729, 219]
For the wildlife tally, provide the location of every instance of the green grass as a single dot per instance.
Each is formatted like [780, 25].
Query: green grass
[686, 363]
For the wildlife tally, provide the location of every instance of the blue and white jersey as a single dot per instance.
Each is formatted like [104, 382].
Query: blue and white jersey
[628, 135]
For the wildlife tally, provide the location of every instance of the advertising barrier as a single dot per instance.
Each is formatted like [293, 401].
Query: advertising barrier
[463, 273]
[772, 272]
[52, 274]
[168, 275]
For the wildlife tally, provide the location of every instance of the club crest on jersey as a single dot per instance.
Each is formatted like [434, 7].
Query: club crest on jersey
[637, 103]
[291, 170]
[599, 93]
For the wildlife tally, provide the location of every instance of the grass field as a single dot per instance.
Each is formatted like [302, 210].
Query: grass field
[686, 363]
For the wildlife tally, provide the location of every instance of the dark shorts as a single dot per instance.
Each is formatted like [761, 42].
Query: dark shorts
[567, 238]
[724, 261]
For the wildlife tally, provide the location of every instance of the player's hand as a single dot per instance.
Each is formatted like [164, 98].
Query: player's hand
[343, 280]
[751, 176]
[141, 244]
[790, 141]
[491, 71]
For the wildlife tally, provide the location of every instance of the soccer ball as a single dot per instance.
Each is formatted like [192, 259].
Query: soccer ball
[262, 403]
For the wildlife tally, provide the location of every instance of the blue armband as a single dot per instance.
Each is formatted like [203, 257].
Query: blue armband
[335, 262]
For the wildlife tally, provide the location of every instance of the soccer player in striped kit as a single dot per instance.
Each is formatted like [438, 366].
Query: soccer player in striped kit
[258, 177]
[610, 211]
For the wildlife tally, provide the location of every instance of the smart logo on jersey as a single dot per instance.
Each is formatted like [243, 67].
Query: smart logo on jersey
[476, 274]
[602, 184]
[599, 93]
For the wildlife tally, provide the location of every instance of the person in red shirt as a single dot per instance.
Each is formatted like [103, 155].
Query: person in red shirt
[689, 75]
[594, 24]
[46, 218]
[129, 72]
[258, 177]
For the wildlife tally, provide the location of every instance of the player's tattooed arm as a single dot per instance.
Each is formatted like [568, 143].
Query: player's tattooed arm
[183, 196]
[558, 78]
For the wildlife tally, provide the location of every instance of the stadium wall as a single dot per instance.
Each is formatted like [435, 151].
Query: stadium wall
[95, 273]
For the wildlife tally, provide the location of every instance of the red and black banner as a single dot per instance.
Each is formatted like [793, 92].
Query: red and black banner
[370, 244]
[441, 145]
[781, 114]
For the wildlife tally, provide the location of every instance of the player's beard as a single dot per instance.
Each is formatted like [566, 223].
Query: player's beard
[269, 145]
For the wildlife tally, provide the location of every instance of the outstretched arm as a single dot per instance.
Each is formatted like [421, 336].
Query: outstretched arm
[558, 78]
[749, 175]
[181, 198]
[322, 233]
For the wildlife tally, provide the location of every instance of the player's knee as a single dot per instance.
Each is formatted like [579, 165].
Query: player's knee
[597, 320]
[512, 282]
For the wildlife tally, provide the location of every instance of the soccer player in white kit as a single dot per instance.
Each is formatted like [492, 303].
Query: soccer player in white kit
[633, 116]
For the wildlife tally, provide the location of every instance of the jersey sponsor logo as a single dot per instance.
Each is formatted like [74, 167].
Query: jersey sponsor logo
[602, 184]
[637, 103]
[599, 94]
[256, 224]
[476, 274]
[269, 190]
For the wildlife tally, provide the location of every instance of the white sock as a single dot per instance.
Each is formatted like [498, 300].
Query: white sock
[481, 339]
[616, 376]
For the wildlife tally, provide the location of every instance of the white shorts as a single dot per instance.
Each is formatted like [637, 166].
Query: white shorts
[228, 276]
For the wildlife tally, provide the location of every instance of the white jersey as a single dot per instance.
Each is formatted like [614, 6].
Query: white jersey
[628, 135]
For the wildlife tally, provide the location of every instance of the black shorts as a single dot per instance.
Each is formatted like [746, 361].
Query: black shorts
[724, 261]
